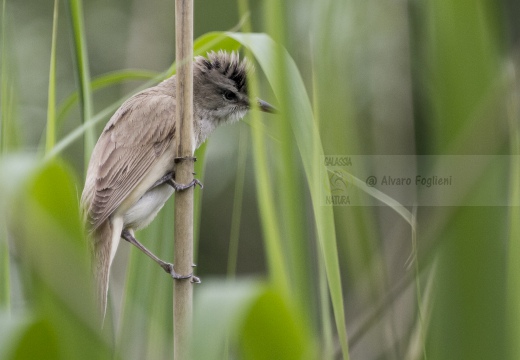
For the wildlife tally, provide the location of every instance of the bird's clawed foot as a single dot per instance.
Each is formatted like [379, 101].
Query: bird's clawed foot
[168, 179]
[169, 269]
[180, 187]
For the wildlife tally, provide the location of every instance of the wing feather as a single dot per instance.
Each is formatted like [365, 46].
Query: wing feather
[133, 140]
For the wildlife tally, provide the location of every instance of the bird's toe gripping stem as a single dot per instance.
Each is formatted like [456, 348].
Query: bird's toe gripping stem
[180, 187]
[169, 269]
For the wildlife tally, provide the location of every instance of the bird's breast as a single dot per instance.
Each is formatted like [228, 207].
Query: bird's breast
[147, 207]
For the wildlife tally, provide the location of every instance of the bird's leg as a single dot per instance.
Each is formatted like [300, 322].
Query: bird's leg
[127, 235]
[169, 176]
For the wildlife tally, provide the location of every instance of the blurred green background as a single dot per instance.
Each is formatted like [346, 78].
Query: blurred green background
[283, 276]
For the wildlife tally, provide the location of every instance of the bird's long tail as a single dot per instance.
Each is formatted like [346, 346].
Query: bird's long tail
[101, 263]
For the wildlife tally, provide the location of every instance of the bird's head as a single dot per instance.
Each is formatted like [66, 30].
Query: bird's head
[220, 86]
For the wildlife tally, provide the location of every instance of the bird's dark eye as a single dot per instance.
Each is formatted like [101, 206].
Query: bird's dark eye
[229, 95]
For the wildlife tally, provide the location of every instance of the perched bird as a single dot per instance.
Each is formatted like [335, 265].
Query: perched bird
[131, 173]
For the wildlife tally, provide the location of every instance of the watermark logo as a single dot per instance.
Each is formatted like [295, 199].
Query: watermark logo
[339, 188]
[371, 181]
[419, 180]
[426, 180]
[336, 191]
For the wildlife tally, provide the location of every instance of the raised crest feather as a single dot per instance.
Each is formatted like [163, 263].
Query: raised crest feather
[228, 64]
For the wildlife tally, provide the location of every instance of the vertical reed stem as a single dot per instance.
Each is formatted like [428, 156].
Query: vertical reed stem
[183, 292]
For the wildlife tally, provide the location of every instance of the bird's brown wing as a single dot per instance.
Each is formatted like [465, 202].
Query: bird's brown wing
[131, 143]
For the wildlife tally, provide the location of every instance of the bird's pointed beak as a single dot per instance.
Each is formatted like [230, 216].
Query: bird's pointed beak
[266, 107]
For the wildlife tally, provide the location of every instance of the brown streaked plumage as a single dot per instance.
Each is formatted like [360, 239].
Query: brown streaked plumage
[131, 170]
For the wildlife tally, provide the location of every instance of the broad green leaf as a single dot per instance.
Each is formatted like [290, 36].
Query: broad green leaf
[219, 310]
[309, 145]
[38, 341]
[48, 236]
[249, 318]
[274, 330]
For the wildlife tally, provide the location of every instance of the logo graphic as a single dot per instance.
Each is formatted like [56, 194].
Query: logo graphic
[371, 181]
[336, 193]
